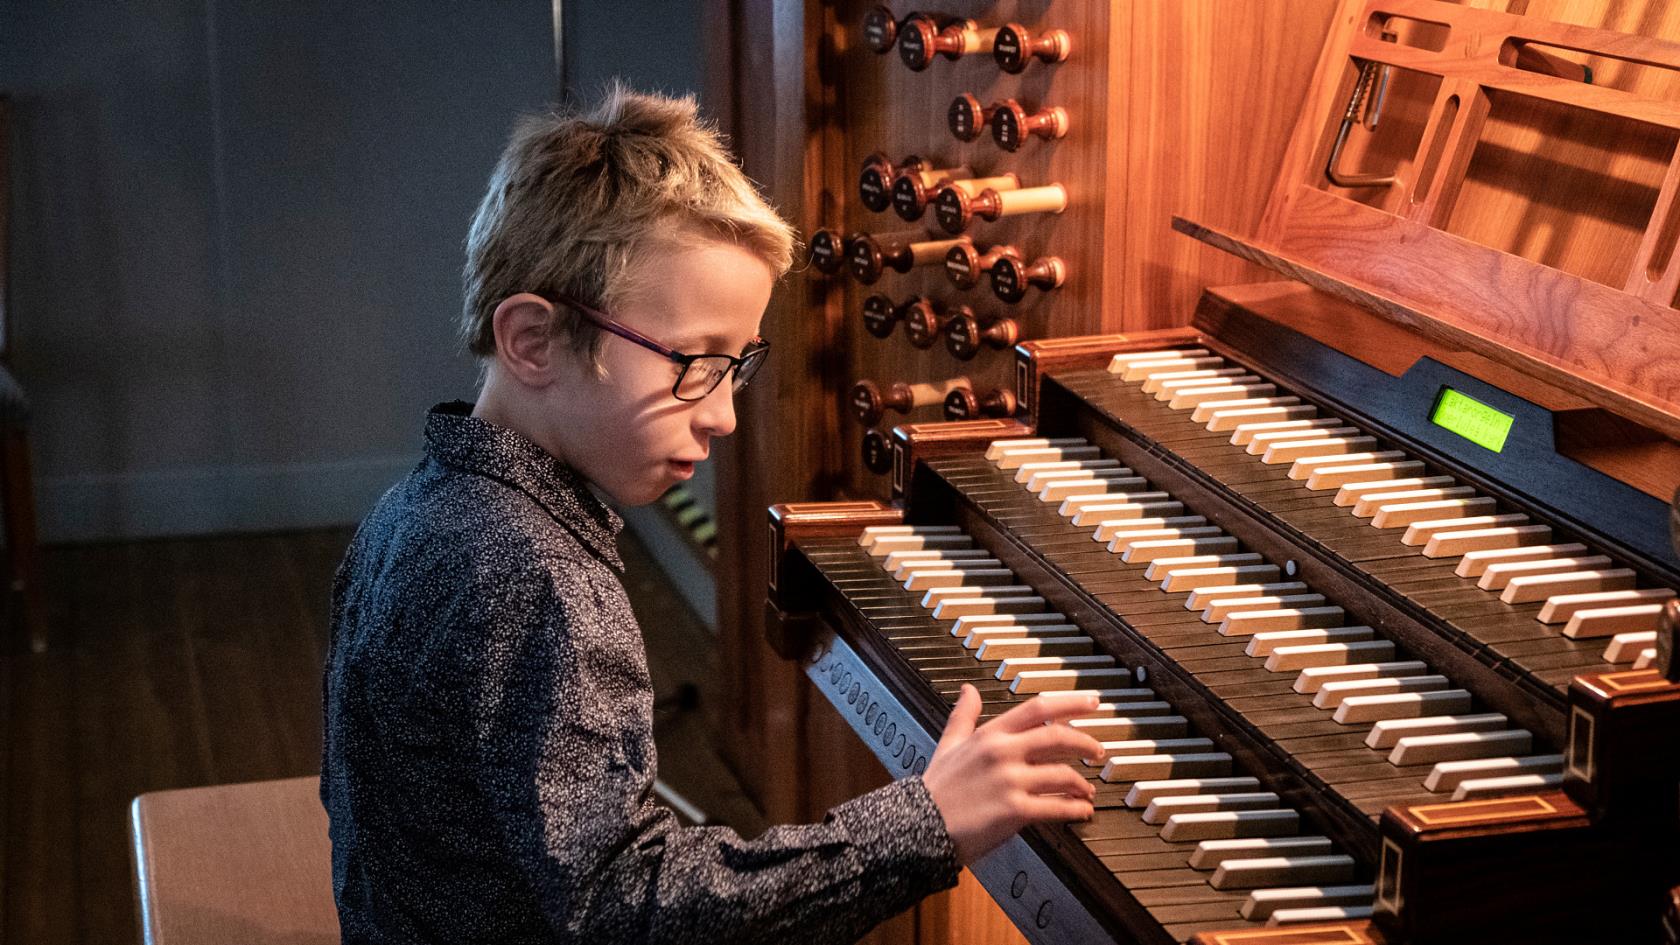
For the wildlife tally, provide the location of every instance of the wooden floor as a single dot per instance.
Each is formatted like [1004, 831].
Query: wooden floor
[189, 662]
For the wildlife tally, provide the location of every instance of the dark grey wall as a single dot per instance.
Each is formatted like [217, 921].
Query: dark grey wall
[237, 244]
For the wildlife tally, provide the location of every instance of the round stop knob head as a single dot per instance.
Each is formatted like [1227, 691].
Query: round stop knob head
[1011, 48]
[909, 196]
[867, 404]
[953, 210]
[966, 117]
[827, 252]
[962, 265]
[879, 315]
[880, 29]
[921, 323]
[1009, 279]
[961, 404]
[877, 452]
[962, 335]
[875, 187]
[1009, 125]
[916, 37]
[864, 259]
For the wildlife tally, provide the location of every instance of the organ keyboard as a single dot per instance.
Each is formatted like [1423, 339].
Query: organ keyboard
[1350, 679]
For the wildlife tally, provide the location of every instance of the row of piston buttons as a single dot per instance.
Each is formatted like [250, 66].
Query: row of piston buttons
[921, 37]
[886, 729]
[868, 256]
[909, 187]
[925, 321]
[869, 401]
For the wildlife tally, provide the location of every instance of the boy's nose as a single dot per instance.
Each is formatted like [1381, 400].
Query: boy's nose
[716, 413]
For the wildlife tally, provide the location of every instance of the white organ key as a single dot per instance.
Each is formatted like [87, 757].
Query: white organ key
[1145, 792]
[1144, 370]
[898, 559]
[1355, 492]
[1476, 563]
[1117, 363]
[1314, 678]
[910, 569]
[1243, 434]
[1190, 578]
[1075, 504]
[1265, 903]
[1452, 544]
[1263, 644]
[1102, 512]
[1305, 467]
[1273, 871]
[1210, 853]
[1389, 732]
[1229, 825]
[1224, 393]
[1129, 727]
[1460, 746]
[1259, 443]
[1015, 647]
[1419, 532]
[951, 609]
[1241, 623]
[981, 635]
[1109, 528]
[870, 535]
[1032, 473]
[1000, 446]
[1213, 764]
[1499, 575]
[1646, 659]
[881, 547]
[1167, 388]
[1128, 706]
[924, 579]
[1163, 807]
[1161, 567]
[1289, 451]
[1360, 709]
[1208, 411]
[1626, 647]
[1290, 658]
[1560, 608]
[1229, 418]
[934, 595]
[1337, 477]
[1205, 597]
[1219, 607]
[1532, 587]
[1051, 680]
[1448, 775]
[1123, 539]
[1473, 788]
[1332, 694]
[1155, 376]
[1098, 485]
[1319, 914]
[1368, 504]
[1397, 514]
[1149, 747]
[1141, 552]
[1014, 458]
[1011, 668]
[1596, 622]
[966, 625]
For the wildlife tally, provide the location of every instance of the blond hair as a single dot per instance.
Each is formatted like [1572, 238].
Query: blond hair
[580, 199]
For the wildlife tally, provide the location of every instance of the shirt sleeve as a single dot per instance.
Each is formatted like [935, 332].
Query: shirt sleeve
[571, 794]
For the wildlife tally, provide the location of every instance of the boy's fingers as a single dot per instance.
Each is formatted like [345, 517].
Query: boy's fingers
[963, 716]
[1040, 709]
[1050, 809]
[1050, 743]
[1057, 779]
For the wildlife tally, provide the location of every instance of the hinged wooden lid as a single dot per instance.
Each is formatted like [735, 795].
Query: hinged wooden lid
[1517, 197]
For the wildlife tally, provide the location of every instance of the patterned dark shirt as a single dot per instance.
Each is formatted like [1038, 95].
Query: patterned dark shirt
[489, 762]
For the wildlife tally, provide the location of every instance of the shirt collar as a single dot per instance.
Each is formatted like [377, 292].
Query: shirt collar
[457, 438]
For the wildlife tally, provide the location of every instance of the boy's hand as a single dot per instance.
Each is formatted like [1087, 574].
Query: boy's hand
[990, 782]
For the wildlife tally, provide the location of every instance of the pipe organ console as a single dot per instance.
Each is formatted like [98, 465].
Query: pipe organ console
[1369, 562]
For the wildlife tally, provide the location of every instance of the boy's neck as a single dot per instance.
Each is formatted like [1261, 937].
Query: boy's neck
[518, 414]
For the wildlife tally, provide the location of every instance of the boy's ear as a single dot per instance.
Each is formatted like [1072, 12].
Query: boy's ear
[524, 328]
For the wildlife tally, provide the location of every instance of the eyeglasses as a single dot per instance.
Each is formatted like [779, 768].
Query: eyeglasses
[700, 374]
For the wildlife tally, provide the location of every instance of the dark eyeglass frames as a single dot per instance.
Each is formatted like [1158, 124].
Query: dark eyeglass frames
[700, 374]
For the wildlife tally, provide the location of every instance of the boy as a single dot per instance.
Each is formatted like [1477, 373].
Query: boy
[488, 757]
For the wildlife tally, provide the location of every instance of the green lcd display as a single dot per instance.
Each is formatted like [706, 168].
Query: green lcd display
[1471, 419]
